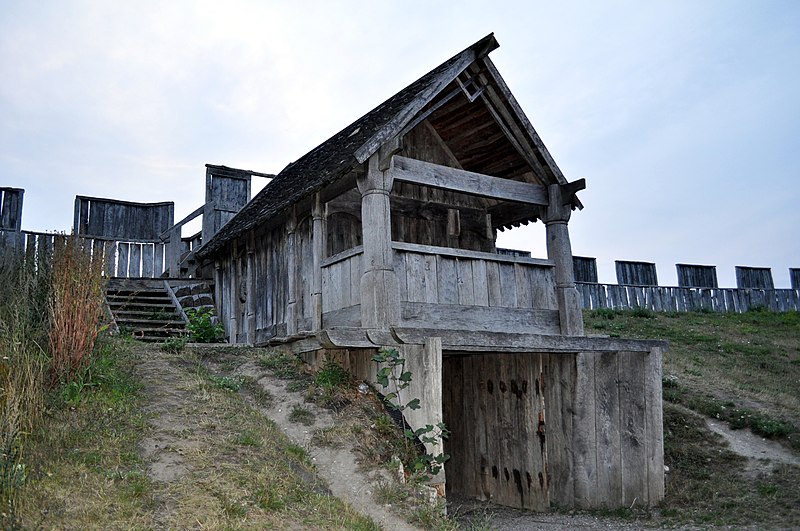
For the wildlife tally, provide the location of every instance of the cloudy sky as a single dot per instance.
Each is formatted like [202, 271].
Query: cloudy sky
[683, 116]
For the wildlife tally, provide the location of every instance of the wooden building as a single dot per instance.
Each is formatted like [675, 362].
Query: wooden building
[384, 236]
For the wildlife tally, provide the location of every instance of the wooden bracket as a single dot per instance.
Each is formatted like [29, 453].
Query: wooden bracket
[387, 151]
[569, 190]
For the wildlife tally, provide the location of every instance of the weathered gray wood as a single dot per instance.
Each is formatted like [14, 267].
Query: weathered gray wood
[585, 431]
[508, 285]
[559, 250]
[379, 289]
[349, 317]
[633, 436]
[399, 121]
[696, 276]
[654, 434]
[663, 298]
[560, 380]
[636, 273]
[463, 253]
[466, 288]
[493, 285]
[122, 259]
[121, 220]
[456, 317]
[447, 280]
[528, 129]
[427, 174]
[794, 278]
[585, 269]
[158, 259]
[134, 269]
[754, 277]
[609, 477]
[11, 200]
[147, 260]
[480, 282]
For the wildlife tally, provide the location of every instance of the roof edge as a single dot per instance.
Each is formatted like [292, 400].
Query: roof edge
[463, 59]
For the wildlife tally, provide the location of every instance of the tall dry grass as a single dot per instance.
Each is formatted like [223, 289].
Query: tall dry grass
[76, 309]
[51, 304]
[24, 321]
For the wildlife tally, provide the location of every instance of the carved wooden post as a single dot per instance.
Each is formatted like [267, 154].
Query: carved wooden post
[250, 295]
[318, 239]
[380, 290]
[559, 250]
[218, 290]
[233, 289]
[291, 268]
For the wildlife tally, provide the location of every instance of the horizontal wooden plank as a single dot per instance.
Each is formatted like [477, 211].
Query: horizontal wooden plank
[479, 318]
[475, 255]
[344, 255]
[344, 317]
[424, 173]
[476, 341]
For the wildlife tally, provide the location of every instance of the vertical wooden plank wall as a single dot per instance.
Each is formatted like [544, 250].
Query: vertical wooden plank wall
[754, 278]
[438, 279]
[11, 200]
[636, 273]
[662, 298]
[585, 269]
[618, 451]
[696, 276]
[493, 404]
[531, 430]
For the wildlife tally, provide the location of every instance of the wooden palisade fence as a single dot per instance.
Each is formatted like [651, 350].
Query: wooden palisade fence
[697, 289]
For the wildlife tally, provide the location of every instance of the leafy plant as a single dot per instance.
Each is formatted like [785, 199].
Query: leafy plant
[204, 326]
[231, 383]
[395, 378]
[174, 345]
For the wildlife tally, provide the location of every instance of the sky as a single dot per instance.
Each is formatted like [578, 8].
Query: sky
[682, 116]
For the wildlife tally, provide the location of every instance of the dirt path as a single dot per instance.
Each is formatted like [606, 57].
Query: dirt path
[750, 445]
[337, 466]
[174, 439]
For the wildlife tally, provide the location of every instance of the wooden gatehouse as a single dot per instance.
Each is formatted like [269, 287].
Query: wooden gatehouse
[384, 236]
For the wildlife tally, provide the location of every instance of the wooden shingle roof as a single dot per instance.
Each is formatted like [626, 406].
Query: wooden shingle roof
[349, 148]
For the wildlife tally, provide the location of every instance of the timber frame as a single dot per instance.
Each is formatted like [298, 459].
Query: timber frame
[384, 236]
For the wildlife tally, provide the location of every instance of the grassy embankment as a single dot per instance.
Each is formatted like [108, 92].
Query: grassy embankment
[740, 368]
[73, 418]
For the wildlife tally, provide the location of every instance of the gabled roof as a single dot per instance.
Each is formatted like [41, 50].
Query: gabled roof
[350, 147]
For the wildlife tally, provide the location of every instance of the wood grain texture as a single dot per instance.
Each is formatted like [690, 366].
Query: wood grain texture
[444, 177]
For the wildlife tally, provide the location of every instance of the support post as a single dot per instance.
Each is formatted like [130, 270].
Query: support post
[291, 267]
[318, 239]
[556, 216]
[380, 289]
[234, 294]
[250, 295]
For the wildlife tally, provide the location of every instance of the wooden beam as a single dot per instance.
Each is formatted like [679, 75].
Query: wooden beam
[500, 83]
[436, 176]
[478, 341]
[398, 122]
[512, 132]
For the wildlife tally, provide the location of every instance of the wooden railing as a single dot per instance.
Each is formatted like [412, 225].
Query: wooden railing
[444, 287]
[133, 259]
[443, 275]
[661, 298]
